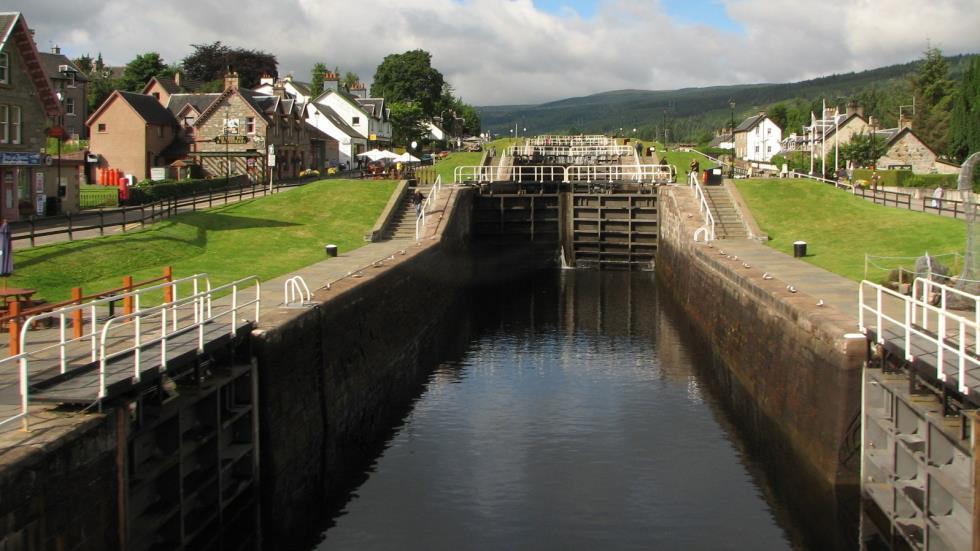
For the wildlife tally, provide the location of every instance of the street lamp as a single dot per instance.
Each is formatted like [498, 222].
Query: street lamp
[731, 166]
[61, 134]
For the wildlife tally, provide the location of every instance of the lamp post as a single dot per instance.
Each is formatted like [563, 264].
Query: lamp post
[874, 148]
[731, 165]
[317, 161]
[60, 135]
[227, 151]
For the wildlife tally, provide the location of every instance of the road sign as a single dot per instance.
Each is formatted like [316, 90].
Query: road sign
[272, 160]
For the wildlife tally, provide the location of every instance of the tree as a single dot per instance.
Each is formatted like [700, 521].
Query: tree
[861, 151]
[349, 80]
[84, 64]
[141, 69]
[407, 122]
[316, 79]
[964, 124]
[211, 62]
[932, 85]
[100, 87]
[779, 115]
[409, 77]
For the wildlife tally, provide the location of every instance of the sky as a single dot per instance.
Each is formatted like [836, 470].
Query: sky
[500, 52]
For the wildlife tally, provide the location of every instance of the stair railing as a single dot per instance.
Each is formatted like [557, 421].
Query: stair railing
[708, 229]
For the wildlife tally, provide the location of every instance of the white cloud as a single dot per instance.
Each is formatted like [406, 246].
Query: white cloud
[507, 51]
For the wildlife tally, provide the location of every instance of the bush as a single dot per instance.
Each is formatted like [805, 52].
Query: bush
[930, 181]
[148, 191]
[891, 178]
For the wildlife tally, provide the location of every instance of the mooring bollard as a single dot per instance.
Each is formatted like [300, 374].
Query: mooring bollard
[799, 249]
[331, 250]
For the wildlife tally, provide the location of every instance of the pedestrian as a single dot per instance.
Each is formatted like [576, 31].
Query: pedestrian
[937, 197]
[663, 160]
[695, 166]
[874, 181]
[417, 200]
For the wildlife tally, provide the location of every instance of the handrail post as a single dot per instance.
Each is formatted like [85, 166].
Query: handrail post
[76, 316]
[14, 326]
[32, 230]
[168, 291]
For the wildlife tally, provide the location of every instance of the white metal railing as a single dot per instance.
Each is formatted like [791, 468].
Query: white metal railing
[203, 316]
[22, 384]
[571, 150]
[463, 174]
[295, 292]
[655, 174]
[64, 315]
[926, 291]
[709, 217]
[592, 139]
[427, 205]
[107, 344]
[835, 183]
[890, 309]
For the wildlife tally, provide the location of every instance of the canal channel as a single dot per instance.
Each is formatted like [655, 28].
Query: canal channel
[579, 411]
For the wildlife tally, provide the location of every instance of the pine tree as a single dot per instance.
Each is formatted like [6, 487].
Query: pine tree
[932, 87]
[316, 79]
[964, 126]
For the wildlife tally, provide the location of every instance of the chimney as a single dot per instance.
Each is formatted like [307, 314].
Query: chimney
[904, 121]
[853, 108]
[177, 78]
[873, 122]
[56, 49]
[266, 78]
[231, 81]
[279, 89]
[331, 82]
[358, 90]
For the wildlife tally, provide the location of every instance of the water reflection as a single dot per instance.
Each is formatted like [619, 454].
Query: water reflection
[574, 418]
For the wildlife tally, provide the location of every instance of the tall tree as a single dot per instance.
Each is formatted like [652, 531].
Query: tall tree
[349, 80]
[84, 63]
[407, 122]
[932, 86]
[316, 79]
[141, 69]
[409, 77]
[779, 115]
[210, 62]
[964, 124]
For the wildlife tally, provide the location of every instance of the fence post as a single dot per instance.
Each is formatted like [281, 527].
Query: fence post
[101, 221]
[210, 196]
[168, 291]
[142, 215]
[76, 316]
[14, 327]
[32, 231]
[69, 227]
[124, 219]
[128, 300]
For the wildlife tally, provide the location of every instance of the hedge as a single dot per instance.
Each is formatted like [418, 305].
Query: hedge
[148, 191]
[890, 178]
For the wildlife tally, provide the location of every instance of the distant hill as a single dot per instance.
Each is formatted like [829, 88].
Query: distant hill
[692, 112]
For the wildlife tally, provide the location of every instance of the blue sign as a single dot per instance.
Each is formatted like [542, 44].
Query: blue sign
[22, 159]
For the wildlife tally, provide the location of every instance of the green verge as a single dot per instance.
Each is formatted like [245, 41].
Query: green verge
[267, 236]
[682, 160]
[840, 228]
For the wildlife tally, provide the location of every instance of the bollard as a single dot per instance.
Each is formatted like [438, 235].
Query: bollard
[168, 291]
[76, 316]
[799, 249]
[128, 300]
[14, 326]
[331, 250]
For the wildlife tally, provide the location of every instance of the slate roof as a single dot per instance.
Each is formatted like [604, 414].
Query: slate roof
[14, 30]
[51, 62]
[750, 123]
[718, 140]
[7, 20]
[337, 121]
[200, 102]
[149, 109]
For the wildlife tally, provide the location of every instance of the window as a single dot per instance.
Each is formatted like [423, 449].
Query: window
[69, 106]
[4, 123]
[250, 125]
[356, 120]
[71, 79]
[189, 120]
[4, 69]
[769, 149]
[156, 95]
[14, 124]
[102, 127]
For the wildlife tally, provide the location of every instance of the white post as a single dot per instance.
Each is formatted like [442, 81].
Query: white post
[823, 141]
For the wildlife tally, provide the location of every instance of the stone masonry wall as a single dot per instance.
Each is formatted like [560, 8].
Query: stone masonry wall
[790, 357]
[334, 379]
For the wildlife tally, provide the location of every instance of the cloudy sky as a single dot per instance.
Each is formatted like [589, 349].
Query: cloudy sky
[528, 51]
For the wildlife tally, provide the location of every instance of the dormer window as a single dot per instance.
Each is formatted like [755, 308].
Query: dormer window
[250, 125]
[4, 68]
[71, 79]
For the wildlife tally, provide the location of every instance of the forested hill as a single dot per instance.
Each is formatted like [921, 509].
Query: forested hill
[693, 113]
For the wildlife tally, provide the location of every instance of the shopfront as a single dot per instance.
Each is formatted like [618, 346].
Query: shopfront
[20, 174]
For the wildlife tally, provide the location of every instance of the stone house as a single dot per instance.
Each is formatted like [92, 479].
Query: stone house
[28, 106]
[757, 139]
[130, 132]
[72, 85]
[903, 148]
[161, 87]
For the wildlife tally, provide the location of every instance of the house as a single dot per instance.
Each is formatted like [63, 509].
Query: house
[435, 131]
[367, 117]
[71, 85]
[722, 139]
[130, 132]
[757, 139]
[162, 87]
[902, 148]
[28, 106]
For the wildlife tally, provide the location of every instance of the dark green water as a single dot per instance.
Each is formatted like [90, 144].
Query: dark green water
[576, 418]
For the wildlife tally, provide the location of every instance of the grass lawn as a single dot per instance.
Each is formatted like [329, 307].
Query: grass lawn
[682, 160]
[840, 228]
[268, 237]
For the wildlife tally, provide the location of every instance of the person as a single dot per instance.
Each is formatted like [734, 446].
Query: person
[874, 181]
[937, 197]
[663, 160]
[417, 199]
[695, 166]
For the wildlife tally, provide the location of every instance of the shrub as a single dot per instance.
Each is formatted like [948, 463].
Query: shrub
[148, 191]
[891, 178]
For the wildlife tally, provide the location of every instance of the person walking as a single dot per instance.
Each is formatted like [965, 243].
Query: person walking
[937, 197]
[417, 200]
[874, 181]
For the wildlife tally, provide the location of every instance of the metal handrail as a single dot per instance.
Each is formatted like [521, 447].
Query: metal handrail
[427, 206]
[203, 315]
[295, 287]
[613, 173]
[24, 389]
[835, 183]
[928, 287]
[709, 217]
[943, 340]
[481, 174]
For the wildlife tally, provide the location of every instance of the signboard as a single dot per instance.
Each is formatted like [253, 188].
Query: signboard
[272, 160]
[231, 126]
[39, 204]
[373, 137]
[231, 139]
[19, 159]
[39, 183]
[158, 173]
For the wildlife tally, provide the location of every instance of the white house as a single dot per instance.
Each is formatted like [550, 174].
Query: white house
[757, 139]
[435, 132]
[350, 141]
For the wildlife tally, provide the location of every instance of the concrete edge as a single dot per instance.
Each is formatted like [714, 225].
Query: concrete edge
[384, 220]
[755, 232]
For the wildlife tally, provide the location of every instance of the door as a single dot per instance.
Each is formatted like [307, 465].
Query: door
[8, 193]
